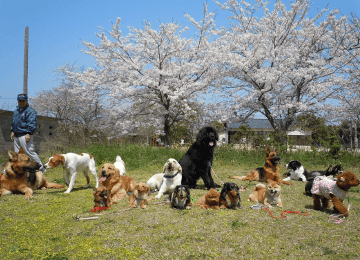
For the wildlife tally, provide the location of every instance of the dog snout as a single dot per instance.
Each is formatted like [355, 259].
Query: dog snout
[103, 173]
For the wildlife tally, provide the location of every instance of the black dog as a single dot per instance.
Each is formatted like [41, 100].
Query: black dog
[197, 161]
[230, 197]
[180, 197]
[311, 176]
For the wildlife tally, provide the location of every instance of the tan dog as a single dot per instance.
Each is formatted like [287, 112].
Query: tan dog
[140, 196]
[118, 185]
[210, 200]
[22, 176]
[268, 195]
[101, 198]
[268, 173]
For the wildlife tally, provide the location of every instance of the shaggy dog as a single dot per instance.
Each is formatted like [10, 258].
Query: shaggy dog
[101, 198]
[197, 161]
[331, 171]
[120, 165]
[297, 171]
[325, 189]
[167, 181]
[116, 184]
[180, 198]
[230, 197]
[22, 176]
[72, 163]
[140, 196]
[269, 173]
[268, 195]
[210, 200]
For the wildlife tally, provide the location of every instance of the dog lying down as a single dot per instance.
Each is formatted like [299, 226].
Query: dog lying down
[140, 196]
[268, 195]
[180, 198]
[210, 200]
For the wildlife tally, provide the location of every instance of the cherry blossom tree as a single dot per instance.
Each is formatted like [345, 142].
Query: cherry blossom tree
[284, 62]
[153, 76]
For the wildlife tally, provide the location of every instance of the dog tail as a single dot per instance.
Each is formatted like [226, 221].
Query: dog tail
[259, 186]
[237, 177]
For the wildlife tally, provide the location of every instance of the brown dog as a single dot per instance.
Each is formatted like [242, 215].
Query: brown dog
[325, 189]
[140, 196]
[101, 198]
[210, 200]
[22, 176]
[269, 173]
[268, 195]
[117, 185]
[230, 196]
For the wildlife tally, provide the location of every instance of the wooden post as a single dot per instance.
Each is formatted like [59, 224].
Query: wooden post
[26, 54]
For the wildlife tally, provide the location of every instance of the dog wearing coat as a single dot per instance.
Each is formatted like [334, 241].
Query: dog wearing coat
[72, 163]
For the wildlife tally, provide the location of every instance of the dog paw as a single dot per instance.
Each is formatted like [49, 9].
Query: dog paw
[67, 191]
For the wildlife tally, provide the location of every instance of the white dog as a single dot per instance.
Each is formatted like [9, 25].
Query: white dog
[167, 181]
[120, 165]
[72, 163]
[297, 171]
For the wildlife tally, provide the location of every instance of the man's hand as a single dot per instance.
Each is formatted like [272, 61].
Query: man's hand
[12, 136]
[27, 137]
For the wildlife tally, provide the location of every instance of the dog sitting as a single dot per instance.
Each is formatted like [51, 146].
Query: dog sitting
[180, 198]
[229, 196]
[72, 163]
[140, 196]
[297, 171]
[120, 165]
[101, 199]
[167, 181]
[269, 173]
[118, 185]
[268, 195]
[210, 200]
[22, 176]
[325, 189]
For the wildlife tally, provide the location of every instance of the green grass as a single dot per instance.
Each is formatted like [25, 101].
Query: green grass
[46, 227]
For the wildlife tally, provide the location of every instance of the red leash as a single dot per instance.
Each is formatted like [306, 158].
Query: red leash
[286, 211]
[95, 209]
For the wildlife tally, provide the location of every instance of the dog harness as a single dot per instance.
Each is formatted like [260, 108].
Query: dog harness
[323, 186]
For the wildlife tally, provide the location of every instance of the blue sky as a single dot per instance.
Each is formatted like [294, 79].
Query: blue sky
[56, 29]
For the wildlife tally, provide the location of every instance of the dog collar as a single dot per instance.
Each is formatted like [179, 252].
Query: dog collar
[171, 176]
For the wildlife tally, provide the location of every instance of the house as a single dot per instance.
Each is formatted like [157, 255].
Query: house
[263, 127]
[45, 128]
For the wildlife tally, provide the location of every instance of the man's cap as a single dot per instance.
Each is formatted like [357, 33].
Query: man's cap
[22, 97]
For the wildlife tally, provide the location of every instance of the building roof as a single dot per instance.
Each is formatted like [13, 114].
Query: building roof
[255, 123]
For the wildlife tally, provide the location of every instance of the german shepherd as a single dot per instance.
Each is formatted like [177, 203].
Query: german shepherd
[22, 176]
[269, 173]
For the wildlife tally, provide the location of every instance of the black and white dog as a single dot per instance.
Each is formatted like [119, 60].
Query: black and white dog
[297, 171]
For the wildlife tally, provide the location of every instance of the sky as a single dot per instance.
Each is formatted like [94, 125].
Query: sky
[57, 29]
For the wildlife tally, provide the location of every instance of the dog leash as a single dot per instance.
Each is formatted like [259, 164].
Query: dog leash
[339, 218]
[282, 213]
[216, 176]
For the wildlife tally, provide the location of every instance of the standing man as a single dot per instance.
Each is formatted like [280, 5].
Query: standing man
[23, 126]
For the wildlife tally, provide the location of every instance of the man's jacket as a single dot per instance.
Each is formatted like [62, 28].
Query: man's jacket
[24, 121]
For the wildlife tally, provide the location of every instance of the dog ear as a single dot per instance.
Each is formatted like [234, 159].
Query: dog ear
[267, 150]
[276, 150]
[21, 150]
[117, 172]
[12, 155]
[164, 168]
[180, 169]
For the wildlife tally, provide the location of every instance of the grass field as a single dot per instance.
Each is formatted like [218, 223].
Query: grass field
[46, 226]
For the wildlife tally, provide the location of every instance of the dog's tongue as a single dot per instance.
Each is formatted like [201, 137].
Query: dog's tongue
[103, 178]
[211, 143]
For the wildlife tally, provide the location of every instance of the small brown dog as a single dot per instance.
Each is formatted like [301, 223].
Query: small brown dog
[268, 195]
[210, 200]
[270, 171]
[230, 196]
[101, 198]
[118, 185]
[140, 196]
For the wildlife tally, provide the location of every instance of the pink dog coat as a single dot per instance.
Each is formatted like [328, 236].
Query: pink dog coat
[323, 186]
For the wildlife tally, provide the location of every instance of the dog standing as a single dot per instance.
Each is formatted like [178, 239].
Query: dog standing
[229, 196]
[269, 173]
[22, 176]
[268, 195]
[72, 163]
[180, 198]
[140, 196]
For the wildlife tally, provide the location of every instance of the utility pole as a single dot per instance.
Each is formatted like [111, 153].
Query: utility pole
[26, 54]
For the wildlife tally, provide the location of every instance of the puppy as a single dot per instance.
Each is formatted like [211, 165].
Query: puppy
[170, 178]
[118, 185]
[210, 200]
[72, 163]
[120, 165]
[268, 195]
[102, 199]
[230, 197]
[297, 171]
[140, 196]
[180, 198]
